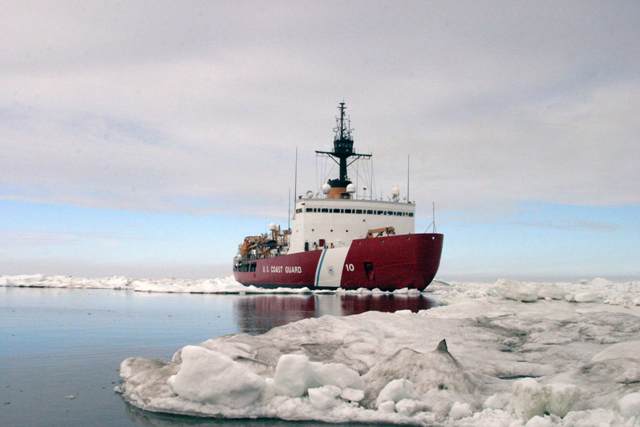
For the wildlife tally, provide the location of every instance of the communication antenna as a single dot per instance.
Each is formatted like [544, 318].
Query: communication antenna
[408, 181]
[295, 183]
[289, 211]
[371, 180]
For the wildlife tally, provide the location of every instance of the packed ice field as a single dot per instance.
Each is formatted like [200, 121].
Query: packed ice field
[507, 353]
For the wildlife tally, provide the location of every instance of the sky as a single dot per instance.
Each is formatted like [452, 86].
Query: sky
[148, 138]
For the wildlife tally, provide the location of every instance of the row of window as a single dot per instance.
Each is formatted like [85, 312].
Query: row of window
[354, 211]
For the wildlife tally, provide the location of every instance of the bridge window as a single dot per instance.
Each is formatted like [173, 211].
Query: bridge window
[356, 211]
[299, 210]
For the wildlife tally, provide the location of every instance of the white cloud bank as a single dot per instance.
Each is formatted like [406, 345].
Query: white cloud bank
[150, 106]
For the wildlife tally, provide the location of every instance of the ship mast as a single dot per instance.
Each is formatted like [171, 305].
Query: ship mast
[342, 153]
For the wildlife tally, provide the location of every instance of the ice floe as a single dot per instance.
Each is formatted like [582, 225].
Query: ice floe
[224, 285]
[502, 354]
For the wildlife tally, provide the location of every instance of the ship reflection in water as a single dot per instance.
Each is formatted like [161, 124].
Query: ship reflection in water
[256, 314]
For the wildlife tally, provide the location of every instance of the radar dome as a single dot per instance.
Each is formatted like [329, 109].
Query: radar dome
[395, 191]
[273, 227]
[326, 188]
[351, 188]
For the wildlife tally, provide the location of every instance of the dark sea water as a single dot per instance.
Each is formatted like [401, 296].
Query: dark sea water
[60, 349]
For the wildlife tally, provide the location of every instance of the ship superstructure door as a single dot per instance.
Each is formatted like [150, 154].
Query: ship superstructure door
[330, 267]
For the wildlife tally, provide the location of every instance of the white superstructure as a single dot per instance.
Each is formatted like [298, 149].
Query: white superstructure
[335, 222]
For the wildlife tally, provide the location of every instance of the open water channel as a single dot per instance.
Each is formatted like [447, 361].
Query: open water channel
[60, 348]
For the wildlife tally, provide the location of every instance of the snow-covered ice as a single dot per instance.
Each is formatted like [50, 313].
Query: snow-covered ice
[225, 285]
[516, 354]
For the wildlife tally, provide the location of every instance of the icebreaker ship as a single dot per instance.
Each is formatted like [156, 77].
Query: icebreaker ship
[339, 240]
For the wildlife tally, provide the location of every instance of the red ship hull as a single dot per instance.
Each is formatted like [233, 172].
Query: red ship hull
[386, 263]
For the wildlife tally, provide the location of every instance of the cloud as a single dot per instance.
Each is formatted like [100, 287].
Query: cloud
[149, 106]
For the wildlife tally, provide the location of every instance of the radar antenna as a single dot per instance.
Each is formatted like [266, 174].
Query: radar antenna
[342, 148]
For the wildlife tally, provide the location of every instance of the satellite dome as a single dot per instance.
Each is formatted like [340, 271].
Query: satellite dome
[351, 188]
[395, 191]
[326, 188]
[273, 226]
